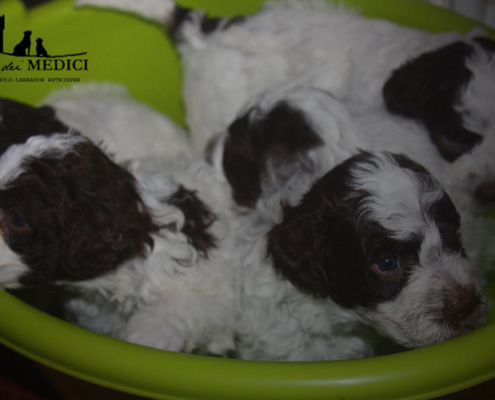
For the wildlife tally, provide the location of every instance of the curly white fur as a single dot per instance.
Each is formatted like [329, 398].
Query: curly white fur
[175, 299]
[106, 113]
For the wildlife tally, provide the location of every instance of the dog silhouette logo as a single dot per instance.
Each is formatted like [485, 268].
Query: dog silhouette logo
[40, 50]
[24, 45]
[23, 48]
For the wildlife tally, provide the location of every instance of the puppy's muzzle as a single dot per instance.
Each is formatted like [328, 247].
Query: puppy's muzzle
[485, 194]
[465, 309]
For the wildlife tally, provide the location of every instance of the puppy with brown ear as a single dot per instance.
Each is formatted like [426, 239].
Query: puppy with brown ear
[333, 237]
[149, 254]
[374, 129]
[226, 61]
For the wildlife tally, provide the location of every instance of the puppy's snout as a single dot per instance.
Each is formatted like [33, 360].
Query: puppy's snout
[485, 194]
[461, 304]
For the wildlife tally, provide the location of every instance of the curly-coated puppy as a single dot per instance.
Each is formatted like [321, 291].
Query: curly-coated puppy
[373, 128]
[445, 80]
[148, 254]
[330, 241]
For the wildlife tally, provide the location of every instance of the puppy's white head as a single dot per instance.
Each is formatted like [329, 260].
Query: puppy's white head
[377, 234]
[451, 91]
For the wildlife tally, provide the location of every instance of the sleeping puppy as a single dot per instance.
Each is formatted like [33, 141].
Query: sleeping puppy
[446, 80]
[331, 240]
[147, 254]
[449, 92]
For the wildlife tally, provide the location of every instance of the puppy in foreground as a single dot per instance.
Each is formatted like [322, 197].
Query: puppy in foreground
[148, 255]
[333, 237]
[152, 259]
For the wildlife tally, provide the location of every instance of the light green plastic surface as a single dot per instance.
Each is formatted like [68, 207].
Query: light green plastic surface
[124, 49]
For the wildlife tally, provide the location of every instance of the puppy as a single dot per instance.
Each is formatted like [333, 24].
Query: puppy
[446, 80]
[106, 112]
[40, 50]
[148, 254]
[24, 45]
[330, 242]
[374, 129]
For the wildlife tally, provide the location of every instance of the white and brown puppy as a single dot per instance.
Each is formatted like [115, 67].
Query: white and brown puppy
[446, 80]
[149, 255]
[329, 242]
[375, 129]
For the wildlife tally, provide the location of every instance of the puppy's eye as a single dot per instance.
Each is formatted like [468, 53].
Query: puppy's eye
[16, 220]
[454, 144]
[388, 265]
[453, 140]
[452, 147]
[389, 271]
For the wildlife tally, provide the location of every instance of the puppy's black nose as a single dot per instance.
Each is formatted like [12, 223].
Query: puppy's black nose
[485, 194]
[459, 305]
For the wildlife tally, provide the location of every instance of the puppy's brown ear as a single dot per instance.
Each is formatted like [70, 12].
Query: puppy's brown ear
[293, 249]
[46, 112]
[315, 246]
[281, 137]
[20, 121]
[487, 43]
[427, 88]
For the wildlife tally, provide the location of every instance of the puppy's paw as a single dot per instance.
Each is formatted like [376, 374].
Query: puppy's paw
[151, 335]
[222, 344]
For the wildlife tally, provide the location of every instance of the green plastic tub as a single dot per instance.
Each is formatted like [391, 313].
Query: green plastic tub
[121, 48]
